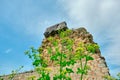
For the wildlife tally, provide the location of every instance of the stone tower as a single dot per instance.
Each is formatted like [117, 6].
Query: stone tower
[98, 66]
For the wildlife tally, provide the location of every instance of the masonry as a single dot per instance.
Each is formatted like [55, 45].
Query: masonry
[98, 66]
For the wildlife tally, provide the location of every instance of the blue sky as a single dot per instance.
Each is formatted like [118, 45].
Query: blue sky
[23, 22]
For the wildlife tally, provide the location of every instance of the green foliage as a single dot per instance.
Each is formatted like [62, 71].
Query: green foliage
[59, 57]
[92, 48]
[44, 73]
[83, 55]
[88, 58]
[14, 73]
[1, 78]
[62, 57]
[39, 63]
[66, 33]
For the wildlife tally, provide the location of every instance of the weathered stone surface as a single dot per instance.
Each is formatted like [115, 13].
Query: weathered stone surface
[82, 29]
[53, 29]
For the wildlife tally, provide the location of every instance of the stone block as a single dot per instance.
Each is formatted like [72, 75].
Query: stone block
[50, 31]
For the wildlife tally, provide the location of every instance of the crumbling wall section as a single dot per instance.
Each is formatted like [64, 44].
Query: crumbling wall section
[98, 66]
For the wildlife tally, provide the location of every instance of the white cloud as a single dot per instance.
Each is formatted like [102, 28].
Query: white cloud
[101, 18]
[8, 50]
[29, 17]
[25, 17]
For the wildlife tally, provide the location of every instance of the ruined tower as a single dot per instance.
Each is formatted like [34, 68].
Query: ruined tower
[98, 66]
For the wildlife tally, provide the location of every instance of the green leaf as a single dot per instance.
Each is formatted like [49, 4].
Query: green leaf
[91, 48]
[69, 47]
[40, 50]
[50, 38]
[62, 34]
[36, 56]
[89, 58]
[49, 50]
[47, 77]
[68, 63]
[36, 62]
[69, 70]
[44, 65]
[27, 52]
[81, 71]
[33, 50]
[55, 43]
[64, 55]
[68, 78]
[80, 50]
[63, 64]
[58, 53]
[54, 58]
[71, 62]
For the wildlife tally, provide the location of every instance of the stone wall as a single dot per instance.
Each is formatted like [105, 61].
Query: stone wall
[98, 67]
